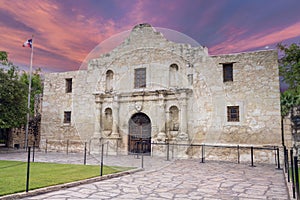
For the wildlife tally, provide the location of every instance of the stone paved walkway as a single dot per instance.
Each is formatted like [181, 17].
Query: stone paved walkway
[180, 179]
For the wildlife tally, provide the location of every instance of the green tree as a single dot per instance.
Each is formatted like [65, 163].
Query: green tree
[3, 57]
[36, 86]
[13, 107]
[289, 69]
[288, 99]
[14, 93]
[290, 65]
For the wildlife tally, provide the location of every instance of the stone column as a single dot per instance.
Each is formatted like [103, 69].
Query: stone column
[183, 117]
[167, 114]
[161, 117]
[95, 140]
[115, 113]
[97, 131]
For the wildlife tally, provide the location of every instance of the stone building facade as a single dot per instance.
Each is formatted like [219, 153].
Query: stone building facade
[150, 91]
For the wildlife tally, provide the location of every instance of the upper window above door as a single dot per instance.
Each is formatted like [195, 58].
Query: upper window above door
[140, 78]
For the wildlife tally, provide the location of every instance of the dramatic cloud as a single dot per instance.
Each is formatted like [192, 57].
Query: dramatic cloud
[65, 32]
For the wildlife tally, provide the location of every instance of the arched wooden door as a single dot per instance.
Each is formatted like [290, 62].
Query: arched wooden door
[139, 139]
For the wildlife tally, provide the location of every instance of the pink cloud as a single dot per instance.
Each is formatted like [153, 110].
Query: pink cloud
[235, 43]
[57, 32]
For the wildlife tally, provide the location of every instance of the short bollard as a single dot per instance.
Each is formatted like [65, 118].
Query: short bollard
[84, 159]
[278, 160]
[285, 157]
[101, 165]
[67, 147]
[46, 145]
[287, 164]
[107, 148]
[137, 151]
[33, 148]
[238, 152]
[296, 176]
[168, 148]
[203, 154]
[293, 174]
[142, 161]
[252, 165]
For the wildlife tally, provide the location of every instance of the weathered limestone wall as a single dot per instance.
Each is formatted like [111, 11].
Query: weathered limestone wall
[195, 88]
[255, 89]
[56, 101]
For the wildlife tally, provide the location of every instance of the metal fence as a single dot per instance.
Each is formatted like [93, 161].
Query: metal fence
[291, 168]
[203, 150]
[237, 149]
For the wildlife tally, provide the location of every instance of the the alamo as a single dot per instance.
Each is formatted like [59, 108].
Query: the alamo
[150, 91]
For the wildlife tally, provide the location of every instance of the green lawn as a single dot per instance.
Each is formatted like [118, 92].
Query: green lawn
[13, 174]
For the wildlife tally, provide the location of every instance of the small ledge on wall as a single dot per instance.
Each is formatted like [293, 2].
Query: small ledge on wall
[66, 125]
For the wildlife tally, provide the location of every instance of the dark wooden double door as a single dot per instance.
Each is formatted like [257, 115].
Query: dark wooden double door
[139, 139]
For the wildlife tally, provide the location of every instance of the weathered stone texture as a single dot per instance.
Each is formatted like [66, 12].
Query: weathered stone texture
[194, 86]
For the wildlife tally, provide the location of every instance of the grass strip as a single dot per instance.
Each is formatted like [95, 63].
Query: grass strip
[13, 174]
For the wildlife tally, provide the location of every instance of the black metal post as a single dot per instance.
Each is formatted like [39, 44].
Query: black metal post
[28, 170]
[84, 159]
[285, 162]
[275, 155]
[137, 150]
[142, 161]
[238, 152]
[173, 150]
[202, 159]
[168, 147]
[107, 149]
[117, 148]
[67, 147]
[278, 160]
[46, 145]
[296, 175]
[293, 173]
[252, 165]
[101, 166]
[33, 148]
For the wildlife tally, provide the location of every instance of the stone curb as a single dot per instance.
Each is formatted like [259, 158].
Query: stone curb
[66, 185]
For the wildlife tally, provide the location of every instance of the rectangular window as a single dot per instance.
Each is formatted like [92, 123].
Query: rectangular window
[233, 114]
[67, 117]
[68, 85]
[140, 78]
[228, 72]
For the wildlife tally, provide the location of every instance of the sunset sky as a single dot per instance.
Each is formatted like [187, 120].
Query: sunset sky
[66, 31]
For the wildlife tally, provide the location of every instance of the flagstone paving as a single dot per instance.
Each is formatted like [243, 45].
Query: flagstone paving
[182, 179]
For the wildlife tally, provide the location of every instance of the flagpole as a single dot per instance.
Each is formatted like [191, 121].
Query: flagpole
[29, 95]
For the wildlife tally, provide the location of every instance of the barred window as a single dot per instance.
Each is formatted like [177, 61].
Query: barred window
[67, 117]
[233, 114]
[68, 85]
[140, 78]
[228, 72]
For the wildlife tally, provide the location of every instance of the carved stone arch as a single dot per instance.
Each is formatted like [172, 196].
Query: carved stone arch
[174, 66]
[107, 119]
[173, 75]
[174, 118]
